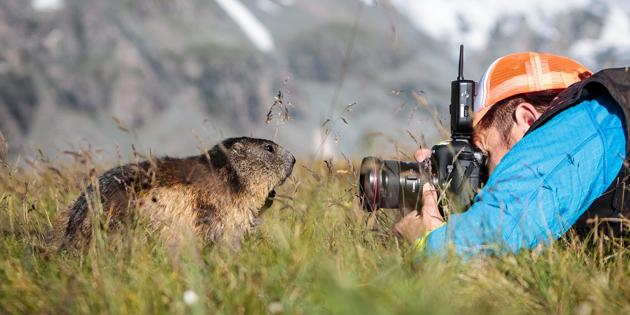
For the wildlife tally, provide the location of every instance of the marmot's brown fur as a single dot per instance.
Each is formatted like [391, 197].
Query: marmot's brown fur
[217, 195]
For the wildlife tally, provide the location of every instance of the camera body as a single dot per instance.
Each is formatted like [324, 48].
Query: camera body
[456, 167]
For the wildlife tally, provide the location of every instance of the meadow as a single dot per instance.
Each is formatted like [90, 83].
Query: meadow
[316, 252]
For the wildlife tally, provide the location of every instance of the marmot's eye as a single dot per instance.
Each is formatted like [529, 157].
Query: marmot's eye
[269, 148]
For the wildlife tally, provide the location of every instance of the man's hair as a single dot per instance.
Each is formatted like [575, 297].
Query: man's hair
[501, 114]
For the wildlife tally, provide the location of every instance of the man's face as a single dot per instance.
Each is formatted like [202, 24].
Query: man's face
[493, 144]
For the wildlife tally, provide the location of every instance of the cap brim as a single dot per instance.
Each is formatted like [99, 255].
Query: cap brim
[479, 115]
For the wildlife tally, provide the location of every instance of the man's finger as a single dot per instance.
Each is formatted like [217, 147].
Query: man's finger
[430, 210]
[429, 196]
[422, 154]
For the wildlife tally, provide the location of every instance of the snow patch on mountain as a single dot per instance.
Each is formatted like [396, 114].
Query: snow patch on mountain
[471, 22]
[614, 37]
[257, 33]
[370, 3]
[268, 6]
[47, 5]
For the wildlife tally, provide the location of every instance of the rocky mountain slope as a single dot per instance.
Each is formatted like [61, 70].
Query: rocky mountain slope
[172, 76]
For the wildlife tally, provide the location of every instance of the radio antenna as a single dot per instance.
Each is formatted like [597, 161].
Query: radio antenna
[460, 76]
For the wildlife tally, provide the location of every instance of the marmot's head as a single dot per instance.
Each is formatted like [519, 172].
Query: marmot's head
[257, 163]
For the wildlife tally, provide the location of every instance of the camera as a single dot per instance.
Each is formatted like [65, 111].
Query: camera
[456, 167]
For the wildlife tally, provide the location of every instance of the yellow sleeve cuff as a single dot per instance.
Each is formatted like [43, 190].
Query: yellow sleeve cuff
[421, 242]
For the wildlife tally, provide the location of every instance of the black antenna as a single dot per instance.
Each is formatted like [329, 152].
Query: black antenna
[460, 76]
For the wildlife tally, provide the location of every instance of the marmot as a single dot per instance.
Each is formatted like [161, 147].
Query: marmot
[217, 195]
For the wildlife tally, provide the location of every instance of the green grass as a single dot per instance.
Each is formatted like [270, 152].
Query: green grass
[315, 252]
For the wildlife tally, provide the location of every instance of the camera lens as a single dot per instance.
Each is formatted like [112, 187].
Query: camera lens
[391, 184]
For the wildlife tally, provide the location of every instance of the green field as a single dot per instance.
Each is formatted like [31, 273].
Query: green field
[315, 253]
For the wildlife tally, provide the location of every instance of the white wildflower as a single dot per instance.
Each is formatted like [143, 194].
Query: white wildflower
[190, 297]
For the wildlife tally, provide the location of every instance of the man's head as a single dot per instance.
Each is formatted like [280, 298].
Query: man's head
[513, 93]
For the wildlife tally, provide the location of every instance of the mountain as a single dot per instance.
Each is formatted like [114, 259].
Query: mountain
[173, 77]
[594, 32]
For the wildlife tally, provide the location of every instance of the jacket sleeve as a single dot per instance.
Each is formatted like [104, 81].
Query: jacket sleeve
[542, 186]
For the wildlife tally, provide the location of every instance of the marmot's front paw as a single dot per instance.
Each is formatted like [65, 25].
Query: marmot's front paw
[269, 200]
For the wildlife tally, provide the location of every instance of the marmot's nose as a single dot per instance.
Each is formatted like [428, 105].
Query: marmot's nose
[292, 160]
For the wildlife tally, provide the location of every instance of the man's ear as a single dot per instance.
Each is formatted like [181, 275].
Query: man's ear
[524, 116]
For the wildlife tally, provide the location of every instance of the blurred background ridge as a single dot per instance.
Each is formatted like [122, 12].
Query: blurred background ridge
[175, 76]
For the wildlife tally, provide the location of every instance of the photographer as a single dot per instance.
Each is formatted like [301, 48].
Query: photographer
[555, 142]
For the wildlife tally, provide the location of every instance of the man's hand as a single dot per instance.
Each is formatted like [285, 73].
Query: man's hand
[422, 154]
[416, 224]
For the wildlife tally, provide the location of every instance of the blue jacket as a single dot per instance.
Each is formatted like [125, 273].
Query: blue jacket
[542, 185]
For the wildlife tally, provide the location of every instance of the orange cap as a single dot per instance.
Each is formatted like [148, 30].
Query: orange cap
[525, 72]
